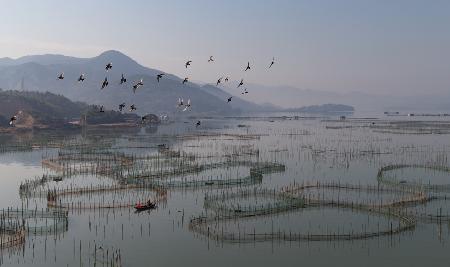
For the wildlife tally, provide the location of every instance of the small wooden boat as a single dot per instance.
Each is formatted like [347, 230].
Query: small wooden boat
[148, 206]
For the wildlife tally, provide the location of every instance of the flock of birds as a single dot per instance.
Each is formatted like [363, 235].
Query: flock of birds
[181, 104]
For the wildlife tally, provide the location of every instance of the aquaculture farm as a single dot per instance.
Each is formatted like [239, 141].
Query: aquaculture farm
[285, 185]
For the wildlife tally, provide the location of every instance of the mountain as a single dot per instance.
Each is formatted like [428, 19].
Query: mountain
[5, 61]
[282, 96]
[325, 108]
[42, 110]
[49, 59]
[291, 97]
[39, 72]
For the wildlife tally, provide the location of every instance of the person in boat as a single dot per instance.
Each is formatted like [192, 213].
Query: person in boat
[150, 203]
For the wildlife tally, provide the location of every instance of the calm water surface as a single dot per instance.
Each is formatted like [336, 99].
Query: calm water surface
[310, 149]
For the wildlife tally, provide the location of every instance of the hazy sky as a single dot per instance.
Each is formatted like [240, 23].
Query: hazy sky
[335, 45]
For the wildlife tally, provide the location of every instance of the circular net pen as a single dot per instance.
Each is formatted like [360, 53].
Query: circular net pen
[35, 222]
[28, 187]
[257, 170]
[119, 173]
[435, 210]
[251, 202]
[93, 162]
[262, 203]
[383, 177]
[354, 196]
[217, 227]
[117, 196]
[120, 165]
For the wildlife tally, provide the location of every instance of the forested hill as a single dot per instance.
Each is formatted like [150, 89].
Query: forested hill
[36, 109]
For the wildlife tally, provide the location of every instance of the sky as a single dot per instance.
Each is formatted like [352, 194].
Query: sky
[378, 46]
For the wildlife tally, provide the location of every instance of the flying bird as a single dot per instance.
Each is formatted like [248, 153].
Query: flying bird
[188, 63]
[81, 78]
[226, 79]
[273, 62]
[248, 67]
[121, 107]
[185, 80]
[188, 105]
[137, 85]
[219, 81]
[241, 83]
[211, 59]
[12, 120]
[159, 76]
[123, 79]
[105, 83]
[180, 102]
[108, 66]
[61, 76]
[197, 124]
[229, 99]
[163, 117]
[133, 108]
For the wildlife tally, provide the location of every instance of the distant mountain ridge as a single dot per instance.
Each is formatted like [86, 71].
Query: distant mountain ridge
[46, 59]
[291, 97]
[39, 72]
[325, 108]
